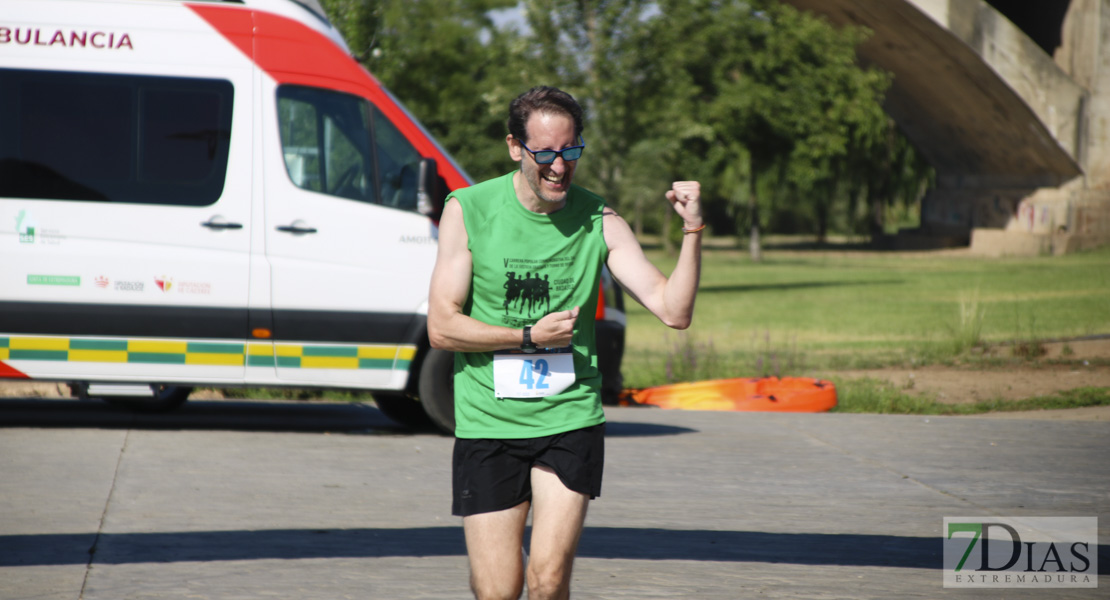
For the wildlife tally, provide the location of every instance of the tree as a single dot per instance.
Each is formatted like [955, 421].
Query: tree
[889, 172]
[763, 104]
[781, 92]
[448, 64]
[588, 48]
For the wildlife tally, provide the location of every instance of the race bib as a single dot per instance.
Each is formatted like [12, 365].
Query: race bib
[536, 375]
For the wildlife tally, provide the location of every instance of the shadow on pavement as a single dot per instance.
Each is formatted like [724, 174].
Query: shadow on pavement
[621, 429]
[257, 415]
[629, 543]
[201, 414]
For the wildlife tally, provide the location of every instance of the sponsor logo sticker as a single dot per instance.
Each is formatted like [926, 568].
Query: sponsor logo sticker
[164, 283]
[194, 287]
[68, 280]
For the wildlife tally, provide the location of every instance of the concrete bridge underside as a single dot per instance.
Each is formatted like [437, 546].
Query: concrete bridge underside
[1003, 125]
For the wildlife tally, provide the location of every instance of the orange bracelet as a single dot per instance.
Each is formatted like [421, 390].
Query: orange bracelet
[694, 230]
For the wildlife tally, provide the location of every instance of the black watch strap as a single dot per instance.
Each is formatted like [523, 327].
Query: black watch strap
[527, 344]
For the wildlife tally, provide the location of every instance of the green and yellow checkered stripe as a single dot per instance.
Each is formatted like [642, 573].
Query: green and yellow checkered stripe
[300, 356]
[185, 352]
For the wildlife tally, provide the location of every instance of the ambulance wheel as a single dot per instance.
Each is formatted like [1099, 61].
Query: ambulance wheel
[163, 398]
[402, 409]
[437, 388]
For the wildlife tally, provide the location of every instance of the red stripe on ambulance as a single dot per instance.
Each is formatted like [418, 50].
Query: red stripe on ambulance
[293, 53]
[7, 372]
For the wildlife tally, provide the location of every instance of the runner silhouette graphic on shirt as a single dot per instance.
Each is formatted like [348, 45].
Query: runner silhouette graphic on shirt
[528, 292]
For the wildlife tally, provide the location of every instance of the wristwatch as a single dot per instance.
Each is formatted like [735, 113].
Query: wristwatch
[527, 346]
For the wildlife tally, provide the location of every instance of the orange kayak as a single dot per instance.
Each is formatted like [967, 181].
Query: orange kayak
[787, 394]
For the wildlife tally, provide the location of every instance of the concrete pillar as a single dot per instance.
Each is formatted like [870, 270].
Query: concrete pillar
[1084, 54]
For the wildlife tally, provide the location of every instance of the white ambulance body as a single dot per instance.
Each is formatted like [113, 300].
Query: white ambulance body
[208, 193]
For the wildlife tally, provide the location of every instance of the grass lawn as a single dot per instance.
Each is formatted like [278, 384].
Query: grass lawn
[813, 313]
[799, 312]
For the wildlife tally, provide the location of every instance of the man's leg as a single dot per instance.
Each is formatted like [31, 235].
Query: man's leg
[493, 543]
[558, 515]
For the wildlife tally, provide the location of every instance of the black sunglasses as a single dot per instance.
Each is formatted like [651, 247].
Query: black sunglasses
[546, 157]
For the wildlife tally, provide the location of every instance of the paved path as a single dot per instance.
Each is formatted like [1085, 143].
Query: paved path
[258, 500]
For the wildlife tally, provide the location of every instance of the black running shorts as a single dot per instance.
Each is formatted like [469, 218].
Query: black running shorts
[492, 475]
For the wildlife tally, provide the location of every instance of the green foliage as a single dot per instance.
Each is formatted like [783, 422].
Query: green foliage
[689, 360]
[683, 357]
[449, 65]
[866, 395]
[638, 110]
[766, 106]
[768, 357]
[968, 330]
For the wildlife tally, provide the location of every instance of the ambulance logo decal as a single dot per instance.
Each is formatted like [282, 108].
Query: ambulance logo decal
[164, 283]
[25, 226]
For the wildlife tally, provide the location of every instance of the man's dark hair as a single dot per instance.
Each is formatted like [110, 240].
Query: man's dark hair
[544, 99]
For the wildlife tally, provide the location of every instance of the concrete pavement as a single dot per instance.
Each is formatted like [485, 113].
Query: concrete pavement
[228, 500]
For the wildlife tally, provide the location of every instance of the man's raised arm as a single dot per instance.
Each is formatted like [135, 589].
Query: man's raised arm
[670, 299]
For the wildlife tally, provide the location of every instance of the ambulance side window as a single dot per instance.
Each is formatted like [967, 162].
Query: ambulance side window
[325, 140]
[398, 165]
[113, 138]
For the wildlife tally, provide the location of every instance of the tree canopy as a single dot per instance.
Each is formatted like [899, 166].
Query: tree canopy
[766, 105]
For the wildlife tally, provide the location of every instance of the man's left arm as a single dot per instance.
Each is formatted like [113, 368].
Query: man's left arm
[671, 299]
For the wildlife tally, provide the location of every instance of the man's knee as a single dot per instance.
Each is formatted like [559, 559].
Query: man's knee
[498, 580]
[549, 580]
[496, 588]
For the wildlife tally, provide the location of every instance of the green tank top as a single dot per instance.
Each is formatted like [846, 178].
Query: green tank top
[527, 265]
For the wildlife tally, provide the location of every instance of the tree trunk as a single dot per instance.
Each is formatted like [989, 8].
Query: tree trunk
[878, 218]
[822, 222]
[668, 245]
[755, 247]
[638, 217]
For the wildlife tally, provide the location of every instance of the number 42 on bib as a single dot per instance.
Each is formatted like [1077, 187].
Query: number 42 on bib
[520, 375]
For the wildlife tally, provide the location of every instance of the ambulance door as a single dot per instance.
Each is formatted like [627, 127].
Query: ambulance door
[126, 203]
[350, 257]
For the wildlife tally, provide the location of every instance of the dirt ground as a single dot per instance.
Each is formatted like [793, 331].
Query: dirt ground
[1088, 365]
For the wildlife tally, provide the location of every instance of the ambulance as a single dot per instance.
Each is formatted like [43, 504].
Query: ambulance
[215, 194]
